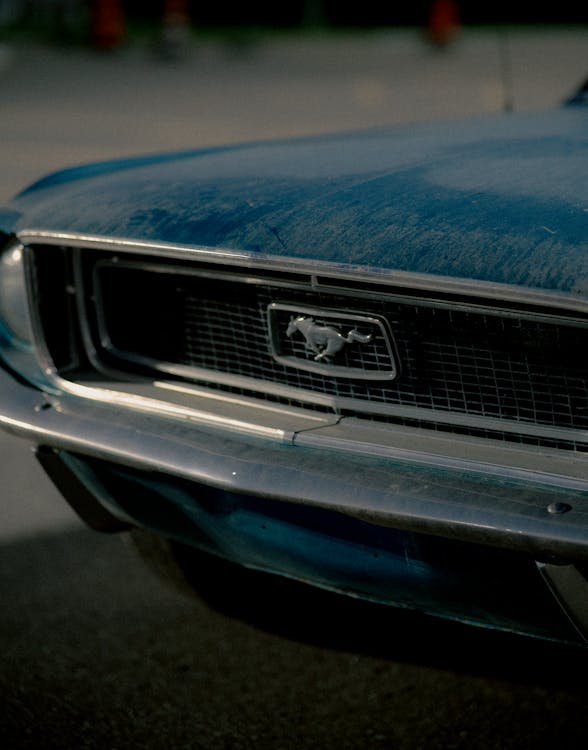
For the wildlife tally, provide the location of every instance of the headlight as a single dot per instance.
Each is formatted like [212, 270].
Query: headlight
[14, 311]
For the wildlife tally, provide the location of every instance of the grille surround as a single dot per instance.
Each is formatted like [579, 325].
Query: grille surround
[508, 417]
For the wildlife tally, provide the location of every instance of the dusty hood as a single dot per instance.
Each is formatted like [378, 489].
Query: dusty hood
[503, 199]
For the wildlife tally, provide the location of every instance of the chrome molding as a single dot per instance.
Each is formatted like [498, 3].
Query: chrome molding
[316, 268]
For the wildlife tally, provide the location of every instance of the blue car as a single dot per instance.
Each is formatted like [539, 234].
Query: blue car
[357, 361]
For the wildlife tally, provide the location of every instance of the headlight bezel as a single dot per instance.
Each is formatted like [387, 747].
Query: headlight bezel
[18, 343]
[15, 318]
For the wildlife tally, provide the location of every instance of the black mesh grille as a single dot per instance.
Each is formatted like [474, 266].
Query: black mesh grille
[451, 360]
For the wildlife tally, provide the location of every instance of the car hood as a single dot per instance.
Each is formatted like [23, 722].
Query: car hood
[504, 199]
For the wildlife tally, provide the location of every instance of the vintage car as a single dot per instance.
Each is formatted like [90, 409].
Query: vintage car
[357, 361]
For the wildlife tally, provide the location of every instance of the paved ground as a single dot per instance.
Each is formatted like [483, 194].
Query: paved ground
[94, 652]
[97, 655]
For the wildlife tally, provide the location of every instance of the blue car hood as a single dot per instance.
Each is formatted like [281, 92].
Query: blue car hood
[504, 199]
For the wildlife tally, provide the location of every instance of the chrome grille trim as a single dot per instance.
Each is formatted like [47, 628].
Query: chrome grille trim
[503, 293]
[316, 282]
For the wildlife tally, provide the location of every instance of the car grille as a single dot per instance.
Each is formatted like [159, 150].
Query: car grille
[453, 357]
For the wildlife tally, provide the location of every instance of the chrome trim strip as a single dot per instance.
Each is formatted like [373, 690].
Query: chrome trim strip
[425, 282]
[167, 409]
[233, 400]
[576, 478]
[339, 405]
[304, 280]
[202, 376]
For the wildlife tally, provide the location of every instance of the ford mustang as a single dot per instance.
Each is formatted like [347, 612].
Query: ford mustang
[357, 361]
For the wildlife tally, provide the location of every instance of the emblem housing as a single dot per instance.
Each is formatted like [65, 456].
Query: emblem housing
[332, 342]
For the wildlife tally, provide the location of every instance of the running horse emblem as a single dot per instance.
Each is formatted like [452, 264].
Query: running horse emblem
[323, 341]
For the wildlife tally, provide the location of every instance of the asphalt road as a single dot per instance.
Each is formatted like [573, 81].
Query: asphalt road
[97, 653]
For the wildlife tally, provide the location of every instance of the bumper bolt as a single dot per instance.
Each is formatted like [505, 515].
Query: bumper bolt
[43, 406]
[557, 509]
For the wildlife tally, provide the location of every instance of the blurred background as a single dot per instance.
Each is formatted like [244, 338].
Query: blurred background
[83, 80]
[79, 19]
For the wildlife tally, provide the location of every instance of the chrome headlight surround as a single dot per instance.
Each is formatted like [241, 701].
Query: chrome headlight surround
[14, 310]
[17, 340]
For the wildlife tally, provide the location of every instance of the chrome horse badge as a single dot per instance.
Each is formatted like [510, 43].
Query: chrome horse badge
[323, 341]
[334, 343]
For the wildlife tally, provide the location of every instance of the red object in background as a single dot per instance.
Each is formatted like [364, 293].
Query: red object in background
[443, 23]
[107, 24]
[175, 12]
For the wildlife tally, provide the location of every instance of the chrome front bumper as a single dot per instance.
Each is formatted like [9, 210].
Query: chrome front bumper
[544, 515]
